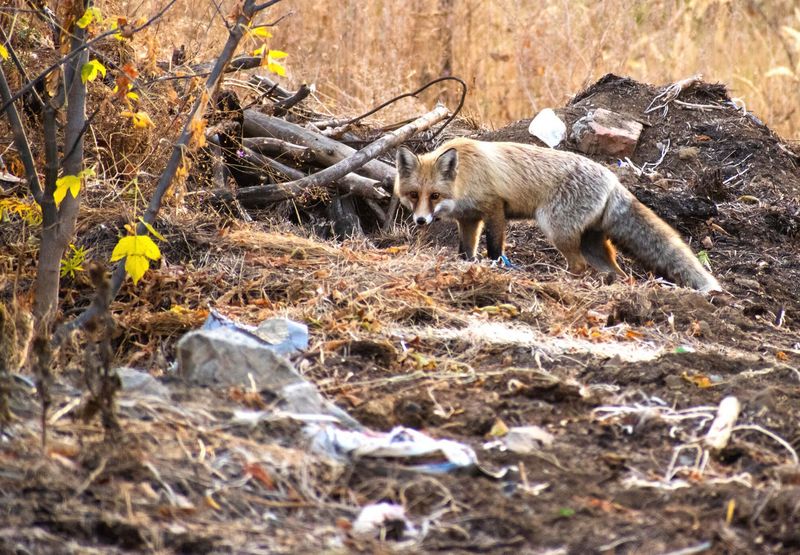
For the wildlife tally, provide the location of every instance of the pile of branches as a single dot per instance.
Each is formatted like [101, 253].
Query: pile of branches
[284, 151]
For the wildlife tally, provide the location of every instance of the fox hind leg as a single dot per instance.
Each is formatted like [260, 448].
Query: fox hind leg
[571, 249]
[567, 242]
[600, 254]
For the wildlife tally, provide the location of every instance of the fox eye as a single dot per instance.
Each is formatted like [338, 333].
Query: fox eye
[434, 196]
[414, 196]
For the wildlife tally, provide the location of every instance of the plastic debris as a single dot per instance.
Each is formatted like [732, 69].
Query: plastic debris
[548, 128]
[384, 520]
[398, 443]
[720, 431]
[284, 336]
[522, 440]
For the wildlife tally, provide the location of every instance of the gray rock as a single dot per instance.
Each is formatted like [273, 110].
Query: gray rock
[141, 382]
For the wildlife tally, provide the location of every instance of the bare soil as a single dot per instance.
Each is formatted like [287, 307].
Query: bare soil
[403, 333]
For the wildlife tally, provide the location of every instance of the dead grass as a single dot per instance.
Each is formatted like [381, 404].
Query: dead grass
[520, 56]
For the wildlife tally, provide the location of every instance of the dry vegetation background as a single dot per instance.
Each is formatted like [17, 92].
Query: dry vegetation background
[519, 56]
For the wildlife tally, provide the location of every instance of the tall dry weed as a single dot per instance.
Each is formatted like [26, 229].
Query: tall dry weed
[519, 56]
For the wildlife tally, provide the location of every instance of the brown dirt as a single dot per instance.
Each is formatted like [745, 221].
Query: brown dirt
[409, 335]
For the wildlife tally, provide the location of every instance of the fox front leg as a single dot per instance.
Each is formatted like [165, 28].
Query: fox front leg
[469, 232]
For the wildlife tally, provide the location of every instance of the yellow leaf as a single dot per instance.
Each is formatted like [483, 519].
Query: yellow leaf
[136, 245]
[132, 96]
[136, 266]
[137, 250]
[699, 380]
[276, 68]
[152, 230]
[91, 14]
[729, 512]
[71, 183]
[499, 429]
[3, 52]
[273, 65]
[198, 132]
[139, 119]
[114, 26]
[259, 51]
[183, 170]
[213, 504]
[90, 70]
[259, 32]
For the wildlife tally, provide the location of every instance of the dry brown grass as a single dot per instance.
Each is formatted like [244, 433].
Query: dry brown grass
[519, 56]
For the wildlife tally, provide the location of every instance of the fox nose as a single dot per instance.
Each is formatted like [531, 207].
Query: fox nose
[421, 220]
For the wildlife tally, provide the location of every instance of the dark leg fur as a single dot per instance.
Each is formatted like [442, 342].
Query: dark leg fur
[495, 238]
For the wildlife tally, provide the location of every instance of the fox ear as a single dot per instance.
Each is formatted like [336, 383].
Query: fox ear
[447, 164]
[407, 162]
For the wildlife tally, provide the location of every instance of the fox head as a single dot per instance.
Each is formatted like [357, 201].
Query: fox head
[424, 181]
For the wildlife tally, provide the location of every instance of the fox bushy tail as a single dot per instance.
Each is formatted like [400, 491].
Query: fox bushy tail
[640, 232]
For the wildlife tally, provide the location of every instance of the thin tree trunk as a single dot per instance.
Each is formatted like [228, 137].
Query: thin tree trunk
[58, 224]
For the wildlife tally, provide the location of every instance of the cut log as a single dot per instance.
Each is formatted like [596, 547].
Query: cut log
[354, 162]
[277, 148]
[263, 168]
[326, 151]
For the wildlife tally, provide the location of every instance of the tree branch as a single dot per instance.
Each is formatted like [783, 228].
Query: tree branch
[249, 10]
[20, 139]
[88, 44]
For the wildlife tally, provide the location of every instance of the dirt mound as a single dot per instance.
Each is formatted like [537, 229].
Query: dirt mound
[721, 177]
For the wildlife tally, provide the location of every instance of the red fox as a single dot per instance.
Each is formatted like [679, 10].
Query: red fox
[579, 205]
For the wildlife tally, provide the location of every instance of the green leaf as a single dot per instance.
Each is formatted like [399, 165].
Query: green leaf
[74, 262]
[91, 14]
[71, 183]
[566, 512]
[90, 70]
[88, 172]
